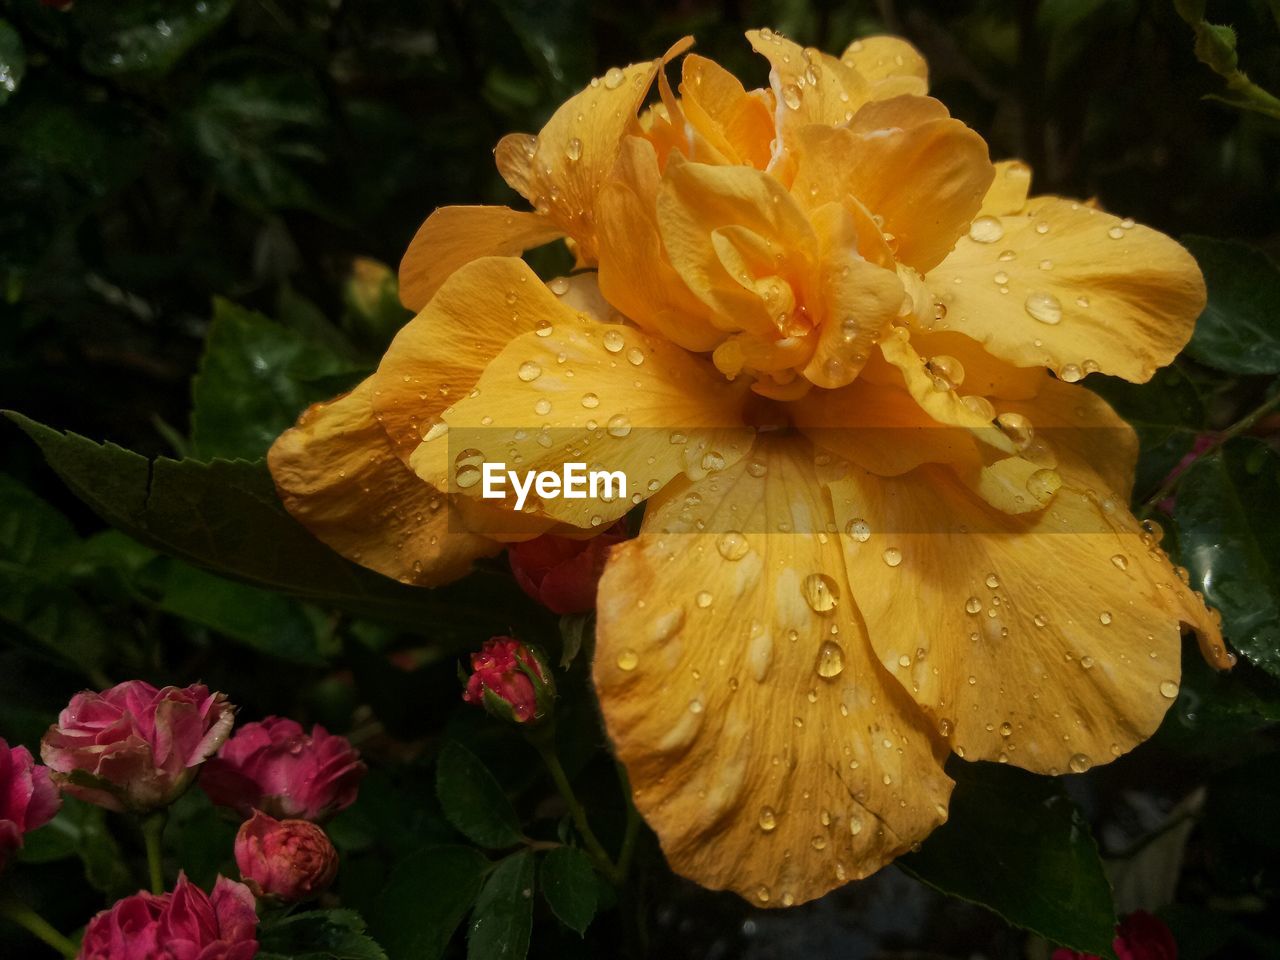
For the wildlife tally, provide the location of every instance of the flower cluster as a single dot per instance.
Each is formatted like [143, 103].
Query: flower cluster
[836, 349]
[135, 749]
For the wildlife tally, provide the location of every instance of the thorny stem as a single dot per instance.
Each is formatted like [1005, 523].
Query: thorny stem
[1243, 425]
[152, 831]
[25, 917]
[544, 741]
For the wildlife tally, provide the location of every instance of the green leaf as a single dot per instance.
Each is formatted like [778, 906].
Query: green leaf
[503, 918]
[425, 899]
[80, 829]
[13, 60]
[318, 935]
[1229, 539]
[146, 36]
[576, 631]
[1239, 331]
[1166, 413]
[255, 377]
[473, 801]
[1015, 844]
[570, 887]
[224, 516]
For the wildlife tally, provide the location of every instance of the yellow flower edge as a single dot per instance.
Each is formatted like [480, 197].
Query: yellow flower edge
[837, 349]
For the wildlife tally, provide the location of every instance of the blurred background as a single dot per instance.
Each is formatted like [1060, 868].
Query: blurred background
[224, 188]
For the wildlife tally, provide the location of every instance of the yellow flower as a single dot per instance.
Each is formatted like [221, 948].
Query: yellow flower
[814, 326]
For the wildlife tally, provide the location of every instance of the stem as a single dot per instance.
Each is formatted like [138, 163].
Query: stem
[545, 743]
[1243, 425]
[37, 926]
[152, 831]
[632, 830]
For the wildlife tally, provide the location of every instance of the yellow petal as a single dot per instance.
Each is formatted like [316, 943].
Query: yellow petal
[560, 171]
[765, 745]
[605, 395]
[337, 475]
[984, 375]
[735, 235]
[1072, 288]
[736, 125]
[1050, 641]
[1008, 192]
[454, 236]
[438, 356]
[923, 178]
[890, 64]
[808, 85]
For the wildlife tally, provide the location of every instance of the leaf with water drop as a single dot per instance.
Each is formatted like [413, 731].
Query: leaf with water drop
[1040, 866]
[503, 918]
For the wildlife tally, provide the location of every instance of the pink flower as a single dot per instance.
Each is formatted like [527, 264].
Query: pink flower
[28, 798]
[561, 573]
[510, 680]
[134, 747]
[186, 924]
[276, 767]
[288, 860]
[1140, 936]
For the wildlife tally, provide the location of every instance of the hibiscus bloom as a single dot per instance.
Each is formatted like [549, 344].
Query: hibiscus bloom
[836, 349]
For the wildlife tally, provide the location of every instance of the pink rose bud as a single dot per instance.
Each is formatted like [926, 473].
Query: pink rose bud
[512, 681]
[134, 747]
[561, 573]
[186, 924]
[276, 767]
[28, 798]
[287, 860]
[1139, 936]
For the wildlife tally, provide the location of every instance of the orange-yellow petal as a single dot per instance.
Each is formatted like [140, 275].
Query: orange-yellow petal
[337, 475]
[765, 745]
[890, 64]
[605, 395]
[736, 126]
[1008, 192]
[561, 170]
[454, 236]
[1050, 640]
[1069, 287]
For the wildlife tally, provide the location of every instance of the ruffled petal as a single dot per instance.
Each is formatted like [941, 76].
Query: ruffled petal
[337, 475]
[454, 236]
[1050, 641]
[735, 125]
[1069, 287]
[891, 65]
[765, 746]
[605, 395]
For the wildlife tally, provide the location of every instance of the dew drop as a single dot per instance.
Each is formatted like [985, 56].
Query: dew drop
[628, 660]
[820, 592]
[703, 599]
[1104, 618]
[1006, 729]
[529, 371]
[619, 425]
[1043, 484]
[613, 341]
[986, 230]
[635, 356]
[1121, 561]
[855, 825]
[791, 96]
[973, 605]
[573, 150]
[542, 407]
[1079, 762]
[768, 819]
[613, 78]
[732, 545]
[1044, 307]
[1168, 689]
[892, 556]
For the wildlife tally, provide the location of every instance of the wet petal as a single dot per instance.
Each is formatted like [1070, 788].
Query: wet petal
[454, 236]
[1069, 287]
[765, 745]
[337, 475]
[890, 64]
[1050, 641]
[735, 124]
[605, 395]
[1008, 192]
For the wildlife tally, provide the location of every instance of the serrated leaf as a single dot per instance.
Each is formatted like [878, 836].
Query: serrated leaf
[224, 516]
[1239, 331]
[1229, 540]
[502, 921]
[473, 801]
[256, 376]
[1166, 413]
[1015, 844]
[426, 897]
[570, 887]
[318, 935]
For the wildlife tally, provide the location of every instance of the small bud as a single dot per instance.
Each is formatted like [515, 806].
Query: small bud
[561, 573]
[285, 860]
[1191, 11]
[512, 681]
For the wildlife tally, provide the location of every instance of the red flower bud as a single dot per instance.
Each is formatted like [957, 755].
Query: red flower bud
[512, 681]
[287, 860]
[28, 798]
[561, 573]
[1140, 936]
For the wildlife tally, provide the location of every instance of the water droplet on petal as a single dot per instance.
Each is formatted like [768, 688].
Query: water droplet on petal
[619, 425]
[1044, 307]
[820, 592]
[613, 341]
[529, 371]
[768, 819]
[613, 78]
[858, 529]
[830, 659]
[892, 556]
[733, 545]
[1168, 689]
[1079, 762]
[628, 660]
